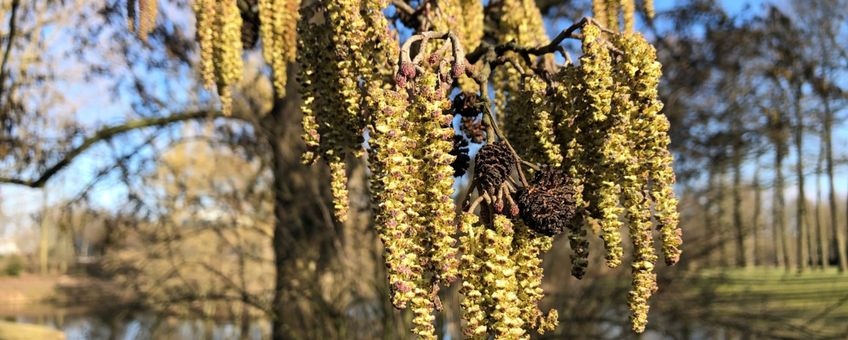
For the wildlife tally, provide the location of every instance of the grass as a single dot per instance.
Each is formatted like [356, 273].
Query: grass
[778, 303]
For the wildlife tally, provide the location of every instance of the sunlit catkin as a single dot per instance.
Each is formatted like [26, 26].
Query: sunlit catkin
[277, 27]
[473, 23]
[527, 249]
[474, 307]
[331, 56]
[205, 13]
[648, 7]
[599, 10]
[147, 12]
[601, 188]
[613, 7]
[653, 141]
[521, 23]
[393, 185]
[228, 63]
[528, 122]
[502, 285]
[628, 7]
[219, 34]
[429, 109]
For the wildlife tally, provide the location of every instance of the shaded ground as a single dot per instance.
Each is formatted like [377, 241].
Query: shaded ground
[764, 302]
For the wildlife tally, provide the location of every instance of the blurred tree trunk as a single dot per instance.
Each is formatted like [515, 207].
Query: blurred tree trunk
[720, 223]
[820, 231]
[782, 253]
[709, 222]
[44, 242]
[803, 243]
[837, 236]
[737, 201]
[755, 224]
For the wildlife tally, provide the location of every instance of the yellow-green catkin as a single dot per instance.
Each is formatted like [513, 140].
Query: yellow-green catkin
[474, 308]
[229, 66]
[567, 107]
[521, 22]
[527, 249]
[219, 34]
[599, 10]
[648, 7]
[334, 65]
[473, 22]
[422, 315]
[429, 111]
[529, 123]
[653, 142]
[148, 11]
[205, 13]
[338, 187]
[278, 30]
[644, 279]
[613, 7]
[633, 179]
[380, 49]
[628, 7]
[394, 185]
[501, 282]
[601, 188]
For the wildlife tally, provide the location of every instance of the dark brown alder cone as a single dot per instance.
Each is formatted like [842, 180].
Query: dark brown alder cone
[548, 206]
[462, 161]
[493, 165]
[466, 104]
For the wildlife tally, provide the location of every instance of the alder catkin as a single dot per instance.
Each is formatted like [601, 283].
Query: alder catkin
[653, 141]
[148, 10]
[429, 110]
[600, 189]
[277, 27]
[628, 7]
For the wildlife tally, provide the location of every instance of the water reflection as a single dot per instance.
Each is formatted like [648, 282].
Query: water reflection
[140, 326]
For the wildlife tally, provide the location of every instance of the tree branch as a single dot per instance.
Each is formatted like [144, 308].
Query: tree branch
[107, 133]
[9, 42]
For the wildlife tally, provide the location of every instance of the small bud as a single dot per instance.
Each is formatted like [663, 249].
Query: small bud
[407, 70]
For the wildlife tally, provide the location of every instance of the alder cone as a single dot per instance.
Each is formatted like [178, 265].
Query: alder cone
[493, 165]
[548, 205]
[466, 104]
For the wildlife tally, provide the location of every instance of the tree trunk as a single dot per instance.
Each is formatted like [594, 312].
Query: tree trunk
[737, 205]
[820, 231]
[803, 246]
[837, 237]
[279, 329]
[755, 224]
[722, 227]
[708, 206]
[44, 241]
[780, 208]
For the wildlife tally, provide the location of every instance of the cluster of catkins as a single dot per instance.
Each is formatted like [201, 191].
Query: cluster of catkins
[604, 116]
[595, 129]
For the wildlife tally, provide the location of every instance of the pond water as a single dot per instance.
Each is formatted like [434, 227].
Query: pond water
[139, 326]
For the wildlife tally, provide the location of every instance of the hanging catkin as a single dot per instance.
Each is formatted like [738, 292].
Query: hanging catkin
[278, 30]
[219, 34]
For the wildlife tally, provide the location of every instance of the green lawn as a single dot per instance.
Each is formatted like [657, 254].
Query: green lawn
[777, 303]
